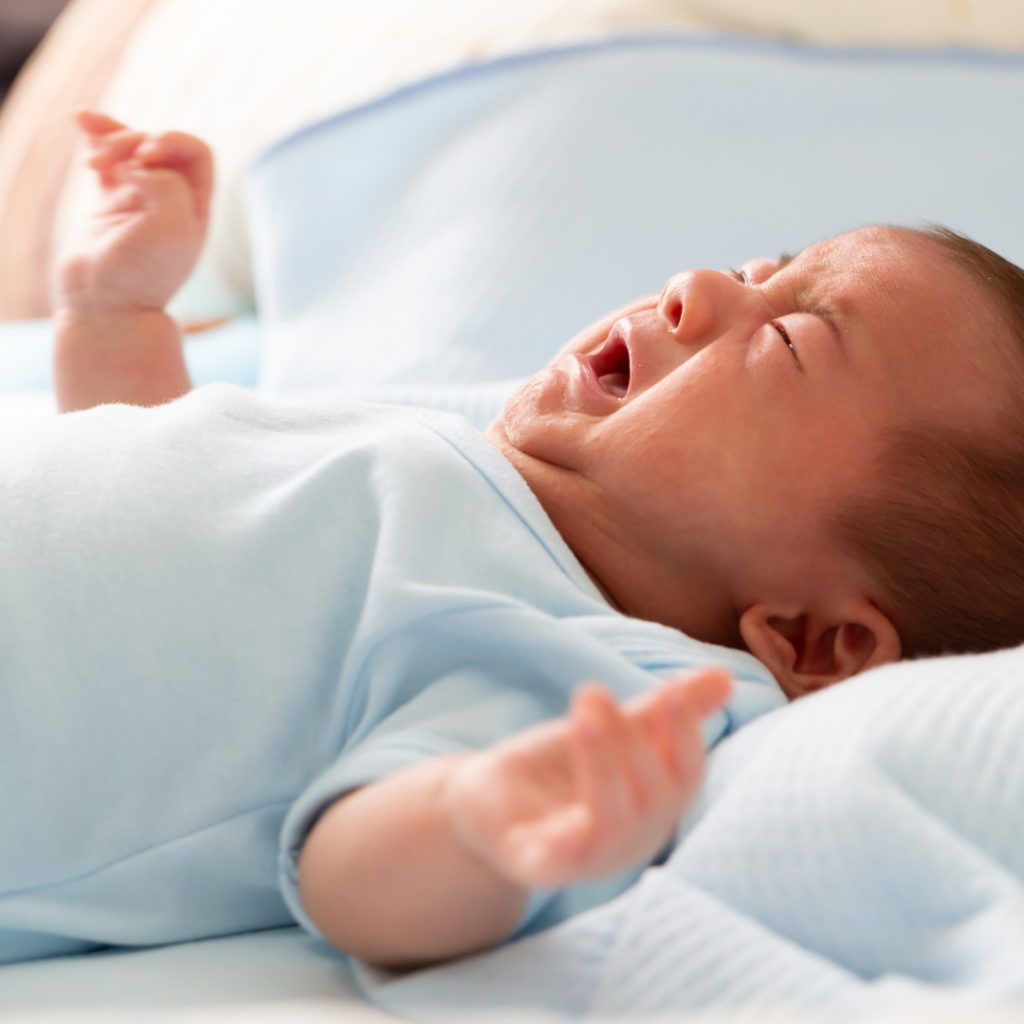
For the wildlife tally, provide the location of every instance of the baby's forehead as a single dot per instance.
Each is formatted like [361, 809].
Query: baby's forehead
[868, 256]
[884, 278]
[932, 325]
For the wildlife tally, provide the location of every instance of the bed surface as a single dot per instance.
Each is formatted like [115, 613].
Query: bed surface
[265, 967]
[283, 976]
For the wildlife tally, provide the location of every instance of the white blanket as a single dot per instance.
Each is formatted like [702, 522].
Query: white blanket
[858, 851]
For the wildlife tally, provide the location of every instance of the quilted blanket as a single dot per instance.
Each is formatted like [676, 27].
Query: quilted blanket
[859, 851]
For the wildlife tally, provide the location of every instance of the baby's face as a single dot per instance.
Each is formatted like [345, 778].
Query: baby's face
[685, 446]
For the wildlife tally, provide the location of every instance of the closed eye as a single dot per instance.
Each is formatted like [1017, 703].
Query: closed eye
[741, 276]
[784, 334]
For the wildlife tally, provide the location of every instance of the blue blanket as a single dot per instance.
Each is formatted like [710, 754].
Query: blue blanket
[856, 851]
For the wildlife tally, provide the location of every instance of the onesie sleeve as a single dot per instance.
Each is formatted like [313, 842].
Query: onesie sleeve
[464, 680]
[465, 710]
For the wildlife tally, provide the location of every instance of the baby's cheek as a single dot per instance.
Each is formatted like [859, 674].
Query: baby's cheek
[529, 411]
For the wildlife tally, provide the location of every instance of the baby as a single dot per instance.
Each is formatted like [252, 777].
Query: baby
[814, 460]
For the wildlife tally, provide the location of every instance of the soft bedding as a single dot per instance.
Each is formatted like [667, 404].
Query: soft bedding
[859, 851]
[283, 964]
[857, 855]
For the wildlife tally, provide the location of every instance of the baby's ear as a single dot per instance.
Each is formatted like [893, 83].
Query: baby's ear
[807, 651]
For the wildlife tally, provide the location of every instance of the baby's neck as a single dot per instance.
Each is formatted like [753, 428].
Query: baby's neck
[600, 586]
[634, 580]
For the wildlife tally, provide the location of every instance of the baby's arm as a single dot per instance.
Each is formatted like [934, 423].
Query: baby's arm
[438, 860]
[114, 342]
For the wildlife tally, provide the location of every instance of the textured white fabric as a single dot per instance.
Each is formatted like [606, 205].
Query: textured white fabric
[858, 851]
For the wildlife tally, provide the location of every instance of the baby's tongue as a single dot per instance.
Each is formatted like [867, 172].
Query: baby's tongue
[616, 384]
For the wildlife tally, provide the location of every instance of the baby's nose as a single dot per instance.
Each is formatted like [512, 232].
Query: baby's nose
[693, 302]
[670, 305]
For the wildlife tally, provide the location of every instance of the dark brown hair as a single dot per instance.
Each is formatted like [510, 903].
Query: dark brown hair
[941, 527]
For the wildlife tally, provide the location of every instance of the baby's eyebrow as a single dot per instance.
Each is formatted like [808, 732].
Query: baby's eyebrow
[826, 311]
[825, 308]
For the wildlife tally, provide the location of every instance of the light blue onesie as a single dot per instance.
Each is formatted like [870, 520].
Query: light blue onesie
[219, 615]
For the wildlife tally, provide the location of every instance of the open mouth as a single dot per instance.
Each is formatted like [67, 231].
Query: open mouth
[611, 366]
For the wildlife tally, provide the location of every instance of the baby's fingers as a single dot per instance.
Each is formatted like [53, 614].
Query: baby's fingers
[704, 692]
[111, 155]
[673, 714]
[187, 155]
[618, 772]
[597, 761]
[548, 853]
[95, 124]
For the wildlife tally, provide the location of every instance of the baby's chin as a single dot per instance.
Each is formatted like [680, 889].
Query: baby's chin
[530, 405]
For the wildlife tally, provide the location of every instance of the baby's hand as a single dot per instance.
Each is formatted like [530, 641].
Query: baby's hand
[591, 794]
[142, 240]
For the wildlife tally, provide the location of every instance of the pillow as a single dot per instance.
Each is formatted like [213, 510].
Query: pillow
[462, 230]
[988, 24]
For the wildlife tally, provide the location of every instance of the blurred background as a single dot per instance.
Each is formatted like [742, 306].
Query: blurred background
[923, 119]
[23, 23]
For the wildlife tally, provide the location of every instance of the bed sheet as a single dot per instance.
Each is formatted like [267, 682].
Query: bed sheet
[261, 967]
[284, 977]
